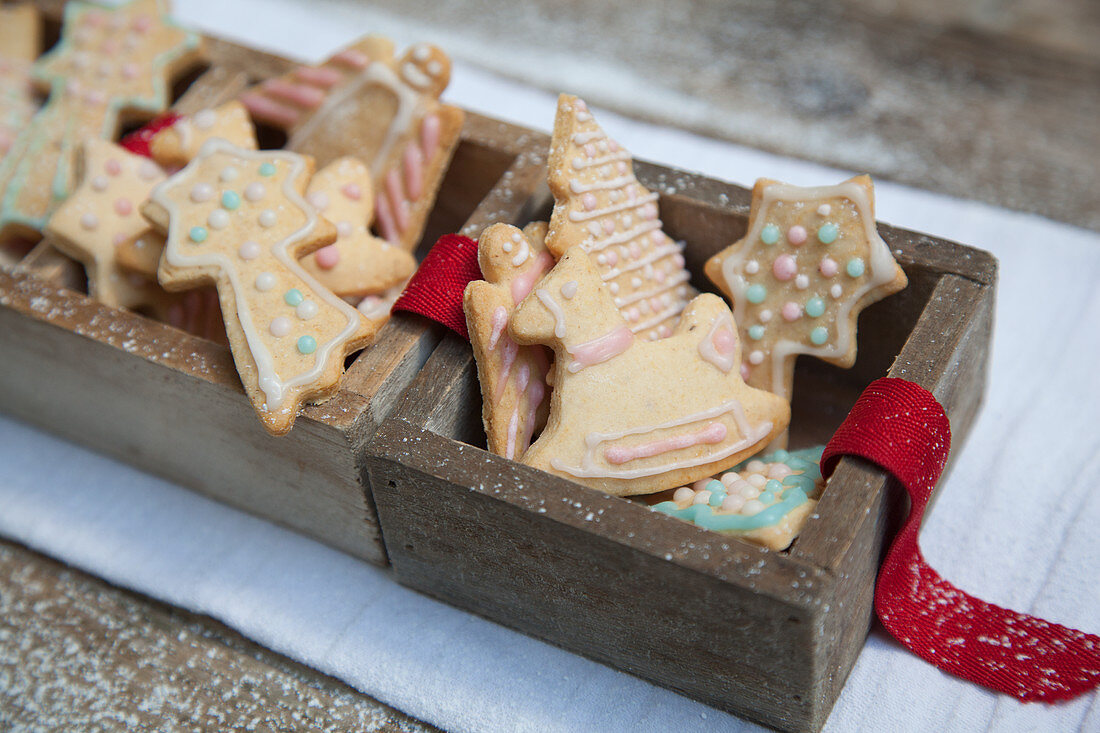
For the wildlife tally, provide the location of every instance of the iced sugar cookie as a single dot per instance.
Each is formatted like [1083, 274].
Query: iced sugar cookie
[633, 416]
[178, 143]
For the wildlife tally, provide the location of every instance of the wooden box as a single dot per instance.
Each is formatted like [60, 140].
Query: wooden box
[172, 404]
[767, 635]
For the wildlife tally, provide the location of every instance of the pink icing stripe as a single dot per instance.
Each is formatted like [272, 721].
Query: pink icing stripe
[713, 433]
[498, 321]
[319, 76]
[508, 352]
[601, 349]
[269, 110]
[513, 428]
[429, 135]
[534, 398]
[300, 94]
[397, 199]
[414, 165]
[353, 58]
[524, 283]
[385, 218]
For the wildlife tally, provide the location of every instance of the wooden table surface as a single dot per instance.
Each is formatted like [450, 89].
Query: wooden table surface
[1007, 113]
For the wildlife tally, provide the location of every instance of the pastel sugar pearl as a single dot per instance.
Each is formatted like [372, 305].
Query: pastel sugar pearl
[306, 309]
[255, 191]
[231, 200]
[198, 235]
[267, 169]
[265, 281]
[249, 250]
[815, 307]
[280, 326]
[819, 335]
[756, 332]
[201, 193]
[784, 268]
[307, 345]
[89, 221]
[756, 293]
[769, 234]
[791, 311]
[328, 257]
[796, 235]
[733, 503]
[683, 495]
[855, 267]
[703, 497]
[123, 207]
[293, 297]
[828, 267]
[827, 233]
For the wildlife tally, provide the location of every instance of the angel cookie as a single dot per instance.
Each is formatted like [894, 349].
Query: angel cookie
[237, 218]
[358, 263]
[385, 108]
[111, 64]
[811, 260]
[513, 378]
[633, 416]
[600, 206]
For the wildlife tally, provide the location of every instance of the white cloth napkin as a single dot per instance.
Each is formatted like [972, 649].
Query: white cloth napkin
[1015, 523]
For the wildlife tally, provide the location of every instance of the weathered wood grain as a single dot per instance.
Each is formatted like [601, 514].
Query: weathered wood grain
[595, 574]
[79, 654]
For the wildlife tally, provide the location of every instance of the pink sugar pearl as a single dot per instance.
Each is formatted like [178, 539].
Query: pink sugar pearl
[784, 268]
[796, 235]
[328, 257]
[791, 311]
[828, 267]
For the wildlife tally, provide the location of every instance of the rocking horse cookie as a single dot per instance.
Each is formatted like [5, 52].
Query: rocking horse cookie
[633, 416]
[237, 218]
[600, 206]
[358, 263]
[811, 261]
[514, 396]
[387, 109]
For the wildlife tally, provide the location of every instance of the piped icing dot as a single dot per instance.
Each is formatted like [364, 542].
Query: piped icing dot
[148, 170]
[344, 229]
[791, 311]
[99, 183]
[796, 235]
[293, 297]
[267, 218]
[267, 169]
[756, 332]
[769, 234]
[198, 234]
[828, 267]
[784, 267]
[819, 335]
[229, 174]
[113, 167]
[89, 221]
[231, 200]
[827, 233]
[218, 219]
[836, 291]
[306, 309]
[307, 344]
[280, 326]
[351, 191]
[752, 267]
[249, 250]
[815, 307]
[824, 210]
[764, 315]
[756, 357]
[318, 199]
[265, 281]
[255, 191]
[588, 201]
[854, 268]
[201, 193]
[569, 289]
[756, 293]
[123, 207]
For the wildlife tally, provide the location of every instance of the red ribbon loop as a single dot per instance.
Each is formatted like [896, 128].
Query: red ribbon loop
[435, 291]
[900, 426]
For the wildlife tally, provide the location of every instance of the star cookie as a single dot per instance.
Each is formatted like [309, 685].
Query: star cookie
[600, 206]
[237, 218]
[811, 261]
[387, 109]
[177, 144]
[110, 64]
[358, 263]
[514, 395]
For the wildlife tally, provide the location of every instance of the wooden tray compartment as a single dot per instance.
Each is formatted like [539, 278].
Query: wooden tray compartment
[171, 403]
[767, 635]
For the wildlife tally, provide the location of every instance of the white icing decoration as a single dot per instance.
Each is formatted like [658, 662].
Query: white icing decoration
[569, 289]
[267, 218]
[280, 326]
[256, 191]
[836, 290]
[411, 73]
[824, 210]
[523, 254]
[89, 221]
[273, 386]
[205, 119]
[265, 281]
[201, 193]
[99, 183]
[229, 174]
[555, 310]
[306, 309]
[249, 250]
[707, 350]
[218, 219]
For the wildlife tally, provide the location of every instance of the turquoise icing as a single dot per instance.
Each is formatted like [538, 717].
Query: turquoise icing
[792, 491]
[769, 234]
[231, 200]
[815, 307]
[756, 332]
[293, 297]
[307, 345]
[819, 335]
[827, 233]
[267, 169]
[756, 293]
[855, 267]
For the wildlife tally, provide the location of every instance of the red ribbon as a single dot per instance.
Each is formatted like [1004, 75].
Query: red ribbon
[435, 291]
[900, 426]
[138, 141]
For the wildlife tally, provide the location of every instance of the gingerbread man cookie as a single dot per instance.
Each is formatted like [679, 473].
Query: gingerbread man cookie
[514, 395]
[238, 218]
[634, 416]
[358, 263]
[102, 215]
[811, 261]
[20, 40]
[110, 64]
[386, 109]
[600, 206]
[177, 144]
